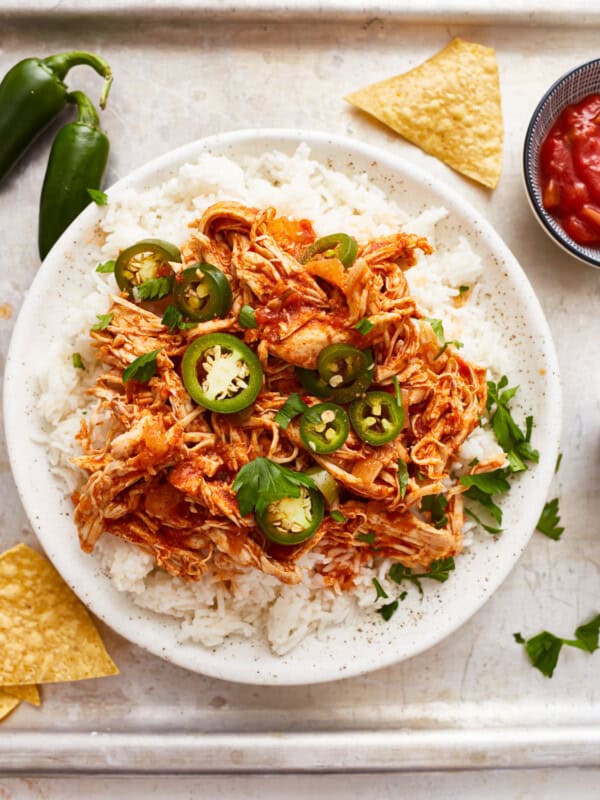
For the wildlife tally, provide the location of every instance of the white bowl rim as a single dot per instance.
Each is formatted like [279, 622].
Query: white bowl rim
[131, 629]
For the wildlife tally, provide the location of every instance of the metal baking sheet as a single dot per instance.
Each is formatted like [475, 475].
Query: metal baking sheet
[471, 702]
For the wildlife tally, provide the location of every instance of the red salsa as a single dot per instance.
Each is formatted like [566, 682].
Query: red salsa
[570, 170]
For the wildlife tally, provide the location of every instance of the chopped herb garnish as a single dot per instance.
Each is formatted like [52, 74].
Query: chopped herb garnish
[558, 460]
[261, 482]
[509, 436]
[292, 407]
[548, 523]
[337, 516]
[439, 570]
[142, 369]
[100, 198]
[488, 482]
[488, 528]
[247, 318]
[403, 595]
[368, 538]
[78, 361]
[153, 289]
[173, 318]
[379, 590]
[104, 321]
[473, 462]
[544, 649]
[438, 329]
[108, 266]
[397, 392]
[388, 611]
[463, 289]
[436, 504]
[364, 326]
[402, 477]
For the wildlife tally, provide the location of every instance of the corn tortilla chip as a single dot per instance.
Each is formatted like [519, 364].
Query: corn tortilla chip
[46, 634]
[449, 106]
[7, 704]
[29, 694]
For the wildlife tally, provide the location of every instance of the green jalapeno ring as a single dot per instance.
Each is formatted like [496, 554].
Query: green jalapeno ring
[315, 385]
[312, 382]
[202, 292]
[340, 364]
[232, 366]
[161, 252]
[292, 520]
[336, 245]
[376, 418]
[324, 427]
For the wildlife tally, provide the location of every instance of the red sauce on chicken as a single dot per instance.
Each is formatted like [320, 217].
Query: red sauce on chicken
[570, 170]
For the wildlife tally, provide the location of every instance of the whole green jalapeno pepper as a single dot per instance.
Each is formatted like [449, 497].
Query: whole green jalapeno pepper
[32, 94]
[77, 162]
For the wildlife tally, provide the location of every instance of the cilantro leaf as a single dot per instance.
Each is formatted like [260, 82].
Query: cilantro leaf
[587, 634]
[364, 325]
[388, 611]
[558, 460]
[337, 516]
[153, 289]
[100, 198]
[487, 482]
[509, 435]
[436, 504]
[439, 570]
[544, 649]
[402, 477]
[437, 327]
[474, 493]
[380, 591]
[143, 368]
[246, 317]
[488, 528]
[104, 321]
[368, 538]
[261, 482]
[293, 406]
[548, 523]
[173, 318]
[108, 266]
[77, 361]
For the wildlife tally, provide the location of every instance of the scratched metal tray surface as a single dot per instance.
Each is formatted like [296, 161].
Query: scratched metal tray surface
[473, 701]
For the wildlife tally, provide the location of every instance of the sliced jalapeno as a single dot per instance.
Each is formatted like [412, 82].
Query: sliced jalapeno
[324, 427]
[143, 261]
[312, 382]
[221, 373]
[292, 520]
[340, 364]
[377, 418]
[337, 245]
[202, 292]
[325, 483]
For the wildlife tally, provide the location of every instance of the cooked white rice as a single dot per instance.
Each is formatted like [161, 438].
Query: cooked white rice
[259, 605]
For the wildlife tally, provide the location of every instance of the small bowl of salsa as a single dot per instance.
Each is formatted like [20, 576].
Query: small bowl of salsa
[561, 162]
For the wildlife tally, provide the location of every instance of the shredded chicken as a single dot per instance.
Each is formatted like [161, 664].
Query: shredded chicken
[160, 469]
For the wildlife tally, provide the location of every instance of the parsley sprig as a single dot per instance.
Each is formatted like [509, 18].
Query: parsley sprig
[292, 407]
[143, 368]
[153, 289]
[549, 520]
[436, 504]
[438, 329]
[544, 649]
[439, 570]
[261, 482]
[173, 319]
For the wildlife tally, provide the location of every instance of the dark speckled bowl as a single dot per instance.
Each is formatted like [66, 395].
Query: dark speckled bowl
[573, 86]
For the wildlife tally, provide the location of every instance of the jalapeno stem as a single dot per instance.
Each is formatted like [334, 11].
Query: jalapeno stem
[61, 63]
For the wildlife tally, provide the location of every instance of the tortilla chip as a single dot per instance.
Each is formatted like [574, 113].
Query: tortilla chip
[7, 704]
[449, 106]
[46, 634]
[29, 694]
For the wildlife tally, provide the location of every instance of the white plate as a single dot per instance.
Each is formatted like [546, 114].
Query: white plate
[346, 650]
